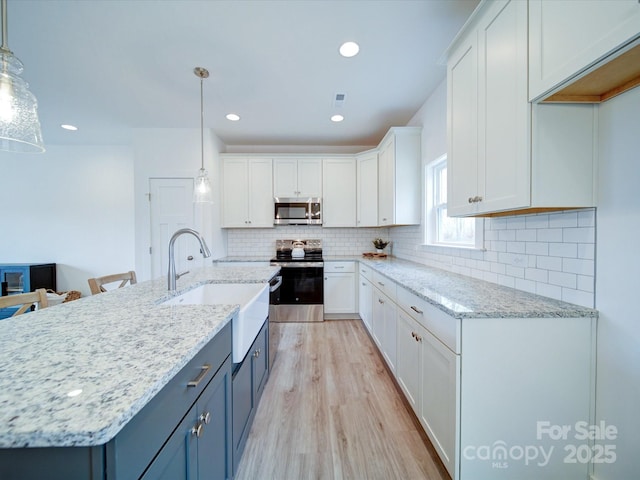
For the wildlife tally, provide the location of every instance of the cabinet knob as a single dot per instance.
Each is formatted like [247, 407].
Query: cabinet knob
[470, 199]
[197, 430]
[479, 199]
[205, 418]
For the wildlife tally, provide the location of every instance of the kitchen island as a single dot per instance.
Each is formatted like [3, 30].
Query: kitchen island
[75, 375]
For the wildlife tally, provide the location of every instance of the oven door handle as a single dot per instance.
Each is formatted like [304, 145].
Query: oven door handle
[274, 286]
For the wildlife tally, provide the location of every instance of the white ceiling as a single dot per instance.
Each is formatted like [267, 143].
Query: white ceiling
[108, 66]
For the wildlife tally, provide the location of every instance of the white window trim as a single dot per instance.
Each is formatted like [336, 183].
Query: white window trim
[430, 217]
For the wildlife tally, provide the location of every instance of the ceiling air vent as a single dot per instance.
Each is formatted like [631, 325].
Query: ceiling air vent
[339, 100]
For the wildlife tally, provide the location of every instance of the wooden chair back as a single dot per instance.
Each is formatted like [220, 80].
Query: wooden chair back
[26, 300]
[96, 284]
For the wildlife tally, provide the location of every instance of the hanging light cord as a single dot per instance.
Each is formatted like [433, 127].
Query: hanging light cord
[5, 34]
[201, 124]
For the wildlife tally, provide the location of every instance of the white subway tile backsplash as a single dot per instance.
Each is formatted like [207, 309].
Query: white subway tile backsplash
[587, 251]
[578, 297]
[537, 274]
[555, 248]
[549, 263]
[579, 235]
[507, 235]
[578, 266]
[560, 220]
[551, 254]
[563, 250]
[526, 235]
[548, 290]
[550, 235]
[563, 279]
[537, 221]
[525, 285]
[537, 248]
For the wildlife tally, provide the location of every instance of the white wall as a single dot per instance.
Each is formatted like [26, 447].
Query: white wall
[70, 206]
[618, 265]
[175, 153]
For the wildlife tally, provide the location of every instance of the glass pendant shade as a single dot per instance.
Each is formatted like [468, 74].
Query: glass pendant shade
[19, 125]
[202, 188]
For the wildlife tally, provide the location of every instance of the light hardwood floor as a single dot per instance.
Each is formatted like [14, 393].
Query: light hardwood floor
[330, 410]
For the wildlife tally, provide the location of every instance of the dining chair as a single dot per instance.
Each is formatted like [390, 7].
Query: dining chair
[25, 300]
[96, 284]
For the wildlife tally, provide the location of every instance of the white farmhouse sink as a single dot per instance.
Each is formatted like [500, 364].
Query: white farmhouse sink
[253, 299]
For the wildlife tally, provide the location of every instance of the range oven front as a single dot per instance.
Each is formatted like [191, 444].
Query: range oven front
[301, 292]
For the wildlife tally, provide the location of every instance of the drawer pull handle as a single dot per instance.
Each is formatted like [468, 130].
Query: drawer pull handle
[381, 284]
[416, 309]
[339, 266]
[197, 430]
[203, 373]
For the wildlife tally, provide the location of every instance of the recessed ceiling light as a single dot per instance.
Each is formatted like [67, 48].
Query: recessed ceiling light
[337, 118]
[233, 117]
[349, 49]
[73, 128]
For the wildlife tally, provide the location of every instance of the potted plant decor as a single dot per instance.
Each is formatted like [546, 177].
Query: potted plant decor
[380, 244]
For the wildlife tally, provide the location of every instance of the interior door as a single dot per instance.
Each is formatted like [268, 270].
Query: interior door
[171, 207]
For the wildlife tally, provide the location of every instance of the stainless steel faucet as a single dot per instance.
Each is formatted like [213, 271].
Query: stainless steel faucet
[173, 276]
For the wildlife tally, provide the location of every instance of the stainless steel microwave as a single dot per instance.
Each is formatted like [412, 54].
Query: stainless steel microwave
[297, 211]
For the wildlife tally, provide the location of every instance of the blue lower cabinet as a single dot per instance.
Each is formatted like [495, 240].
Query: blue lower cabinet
[249, 379]
[200, 448]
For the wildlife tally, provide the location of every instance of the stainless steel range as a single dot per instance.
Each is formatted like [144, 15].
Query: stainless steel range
[302, 290]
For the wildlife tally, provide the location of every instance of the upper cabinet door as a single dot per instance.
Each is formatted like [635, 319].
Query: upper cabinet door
[310, 177]
[462, 127]
[367, 190]
[339, 194]
[285, 177]
[504, 112]
[294, 177]
[568, 36]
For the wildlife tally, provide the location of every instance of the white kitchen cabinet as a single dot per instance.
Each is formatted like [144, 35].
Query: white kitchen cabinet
[247, 196]
[365, 297]
[384, 326]
[439, 387]
[297, 177]
[339, 192]
[367, 189]
[503, 153]
[428, 370]
[477, 384]
[340, 288]
[568, 36]
[409, 360]
[399, 178]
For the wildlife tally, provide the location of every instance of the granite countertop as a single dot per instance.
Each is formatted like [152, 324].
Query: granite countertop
[466, 297]
[458, 295]
[115, 351]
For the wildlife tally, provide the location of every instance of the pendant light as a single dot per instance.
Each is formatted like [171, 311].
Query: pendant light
[202, 190]
[19, 125]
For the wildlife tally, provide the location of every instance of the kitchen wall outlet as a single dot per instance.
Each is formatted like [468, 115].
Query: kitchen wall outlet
[519, 261]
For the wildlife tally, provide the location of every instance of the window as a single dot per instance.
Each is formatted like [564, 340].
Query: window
[441, 229]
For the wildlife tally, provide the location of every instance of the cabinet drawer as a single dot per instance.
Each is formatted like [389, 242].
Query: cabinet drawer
[366, 272]
[444, 327]
[388, 287]
[339, 267]
[129, 453]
